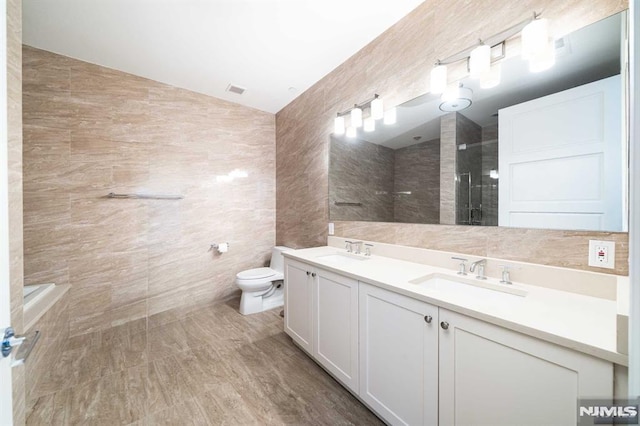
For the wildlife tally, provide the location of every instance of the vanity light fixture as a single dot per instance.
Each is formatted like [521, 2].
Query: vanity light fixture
[543, 60]
[377, 108]
[365, 113]
[438, 78]
[338, 125]
[537, 47]
[535, 37]
[480, 61]
[356, 117]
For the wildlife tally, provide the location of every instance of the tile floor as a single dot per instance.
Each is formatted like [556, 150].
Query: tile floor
[213, 367]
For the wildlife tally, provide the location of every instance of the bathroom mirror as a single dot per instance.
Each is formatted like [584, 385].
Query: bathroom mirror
[540, 150]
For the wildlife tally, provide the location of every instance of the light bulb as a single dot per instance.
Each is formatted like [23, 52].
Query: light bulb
[377, 109]
[535, 37]
[479, 61]
[351, 132]
[356, 117]
[491, 78]
[543, 60]
[338, 126]
[369, 124]
[438, 79]
[451, 93]
[390, 116]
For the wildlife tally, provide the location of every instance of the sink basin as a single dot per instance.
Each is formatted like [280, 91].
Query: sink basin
[446, 283]
[342, 258]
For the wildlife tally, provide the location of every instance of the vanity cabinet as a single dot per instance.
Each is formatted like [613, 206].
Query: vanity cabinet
[398, 356]
[415, 363]
[335, 326]
[298, 294]
[321, 315]
[494, 376]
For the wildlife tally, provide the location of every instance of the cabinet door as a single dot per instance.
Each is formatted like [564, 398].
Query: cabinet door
[297, 303]
[493, 376]
[398, 357]
[336, 326]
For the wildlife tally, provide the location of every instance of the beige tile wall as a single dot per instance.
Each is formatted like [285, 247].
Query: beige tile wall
[90, 130]
[14, 168]
[361, 173]
[396, 66]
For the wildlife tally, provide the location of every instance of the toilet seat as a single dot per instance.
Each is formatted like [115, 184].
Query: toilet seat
[257, 279]
[255, 274]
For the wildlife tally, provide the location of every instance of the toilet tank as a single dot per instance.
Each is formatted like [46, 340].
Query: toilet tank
[277, 260]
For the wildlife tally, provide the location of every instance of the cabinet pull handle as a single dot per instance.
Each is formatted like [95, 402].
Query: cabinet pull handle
[308, 273]
[444, 325]
[313, 274]
[428, 319]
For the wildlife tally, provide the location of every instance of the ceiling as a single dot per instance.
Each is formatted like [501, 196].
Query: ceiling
[275, 49]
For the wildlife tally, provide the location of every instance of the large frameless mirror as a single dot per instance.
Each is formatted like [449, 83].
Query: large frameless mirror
[539, 150]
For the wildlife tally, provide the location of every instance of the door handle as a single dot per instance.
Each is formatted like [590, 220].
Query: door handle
[428, 319]
[444, 325]
[313, 274]
[10, 340]
[308, 273]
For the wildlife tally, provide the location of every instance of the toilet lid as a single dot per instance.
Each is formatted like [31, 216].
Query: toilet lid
[257, 273]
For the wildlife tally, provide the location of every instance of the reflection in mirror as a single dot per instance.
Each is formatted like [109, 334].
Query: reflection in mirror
[539, 150]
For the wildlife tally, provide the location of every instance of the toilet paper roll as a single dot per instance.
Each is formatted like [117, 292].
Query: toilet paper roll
[223, 247]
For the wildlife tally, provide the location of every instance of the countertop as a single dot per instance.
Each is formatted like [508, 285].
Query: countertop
[582, 323]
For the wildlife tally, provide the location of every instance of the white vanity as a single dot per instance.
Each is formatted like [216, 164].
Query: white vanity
[421, 345]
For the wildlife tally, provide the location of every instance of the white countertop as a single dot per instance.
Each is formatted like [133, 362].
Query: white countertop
[583, 323]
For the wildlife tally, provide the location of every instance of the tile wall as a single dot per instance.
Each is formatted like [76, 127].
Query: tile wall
[417, 170]
[89, 131]
[361, 173]
[396, 66]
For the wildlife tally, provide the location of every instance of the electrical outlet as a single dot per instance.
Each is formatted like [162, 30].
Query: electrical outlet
[602, 254]
[331, 228]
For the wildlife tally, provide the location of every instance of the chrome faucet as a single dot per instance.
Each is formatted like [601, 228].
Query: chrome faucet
[506, 275]
[349, 246]
[463, 265]
[358, 245]
[367, 249]
[480, 264]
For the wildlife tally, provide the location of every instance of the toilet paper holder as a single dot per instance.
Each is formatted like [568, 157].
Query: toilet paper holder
[215, 246]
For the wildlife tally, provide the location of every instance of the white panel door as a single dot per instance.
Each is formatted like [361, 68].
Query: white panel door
[297, 303]
[6, 410]
[336, 325]
[398, 357]
[561, 162]
[493, 376]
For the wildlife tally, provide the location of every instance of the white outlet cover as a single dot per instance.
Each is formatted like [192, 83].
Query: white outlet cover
[602, 254]
[331, 228]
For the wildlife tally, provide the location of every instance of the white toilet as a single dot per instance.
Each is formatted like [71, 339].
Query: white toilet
[262, 288]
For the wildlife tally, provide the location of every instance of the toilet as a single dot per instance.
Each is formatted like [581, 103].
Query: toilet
[262, 288]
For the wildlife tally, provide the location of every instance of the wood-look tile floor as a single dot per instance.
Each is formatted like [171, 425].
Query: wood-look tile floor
[213, 367]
